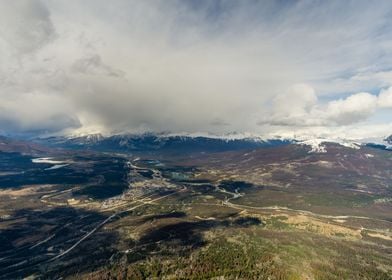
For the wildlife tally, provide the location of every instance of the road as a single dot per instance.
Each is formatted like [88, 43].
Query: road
[109, 219]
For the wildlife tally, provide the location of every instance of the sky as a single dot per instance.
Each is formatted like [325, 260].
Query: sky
[269, 68]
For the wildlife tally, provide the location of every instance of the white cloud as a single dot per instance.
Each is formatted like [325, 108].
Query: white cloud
[355, 108]
[292, 108]
[385, 98]
[299, 99]
[301, 108]
[25, 25]
[41, 113]
[191, 65]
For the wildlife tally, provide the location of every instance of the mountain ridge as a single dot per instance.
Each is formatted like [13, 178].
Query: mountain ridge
[196, 142]
[160, 142]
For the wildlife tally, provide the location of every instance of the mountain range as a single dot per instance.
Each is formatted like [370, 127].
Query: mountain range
[150, 142]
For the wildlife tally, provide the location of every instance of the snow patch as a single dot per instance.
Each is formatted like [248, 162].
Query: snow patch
[56, 163]
[46, 160]
[317, 145]
[57, 166]
[352, 145]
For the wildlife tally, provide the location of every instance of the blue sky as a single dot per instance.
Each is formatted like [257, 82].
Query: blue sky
[263, 67]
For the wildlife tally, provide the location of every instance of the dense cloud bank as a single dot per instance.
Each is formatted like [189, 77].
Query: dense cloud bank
[265, 67]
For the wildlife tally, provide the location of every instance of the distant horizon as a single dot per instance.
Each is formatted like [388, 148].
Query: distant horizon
[311, 140]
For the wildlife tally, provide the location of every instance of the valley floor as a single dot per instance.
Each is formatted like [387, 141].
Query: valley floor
[181, 220]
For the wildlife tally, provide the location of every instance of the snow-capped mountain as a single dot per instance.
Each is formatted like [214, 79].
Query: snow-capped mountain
[318, 145]
[389, 139]
[200, 142]
[163, 142]
[384, 143]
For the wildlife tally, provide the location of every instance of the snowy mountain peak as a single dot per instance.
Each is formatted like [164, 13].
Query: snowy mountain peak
[317, 145]
[150, 140]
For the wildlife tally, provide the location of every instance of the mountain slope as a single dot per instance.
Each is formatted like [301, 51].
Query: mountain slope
[159, 143]
[10, 145]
